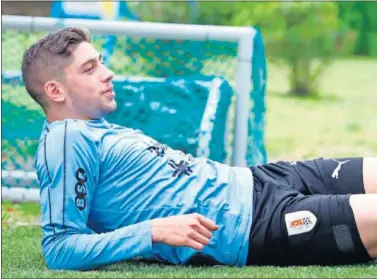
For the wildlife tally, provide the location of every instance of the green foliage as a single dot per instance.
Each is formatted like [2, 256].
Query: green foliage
[306, 36]
[361, 17]
[215, 13]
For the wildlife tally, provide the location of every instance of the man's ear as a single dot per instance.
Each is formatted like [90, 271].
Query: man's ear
[55, 91]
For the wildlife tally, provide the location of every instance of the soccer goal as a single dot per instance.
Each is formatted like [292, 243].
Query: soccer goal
[212, 78]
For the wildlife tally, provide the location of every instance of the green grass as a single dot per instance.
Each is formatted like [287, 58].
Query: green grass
[341, 122]
[22, 258]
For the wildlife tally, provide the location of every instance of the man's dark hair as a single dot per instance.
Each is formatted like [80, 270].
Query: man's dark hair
[46, 59]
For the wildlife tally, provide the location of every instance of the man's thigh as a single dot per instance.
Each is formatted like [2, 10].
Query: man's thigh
[332, 176]
[319, 176]
[304, 230]
[370, 174]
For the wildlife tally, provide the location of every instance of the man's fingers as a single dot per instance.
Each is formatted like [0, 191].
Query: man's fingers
[199, 238]
[209, 224]
[194, 244]
[204, 231]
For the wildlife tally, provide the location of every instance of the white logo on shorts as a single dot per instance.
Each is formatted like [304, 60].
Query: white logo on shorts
[335, 174]
[300, 222]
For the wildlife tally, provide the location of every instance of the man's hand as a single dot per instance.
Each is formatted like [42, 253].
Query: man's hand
[191, 230]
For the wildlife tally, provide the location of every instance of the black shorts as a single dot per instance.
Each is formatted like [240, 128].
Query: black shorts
[302, 214]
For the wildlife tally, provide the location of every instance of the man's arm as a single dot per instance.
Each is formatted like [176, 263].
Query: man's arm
[68, 169]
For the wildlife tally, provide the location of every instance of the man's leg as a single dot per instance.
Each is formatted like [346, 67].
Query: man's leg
[370, 175]
[364, 208]
[323, 176]
[335, 176]
[348, 175]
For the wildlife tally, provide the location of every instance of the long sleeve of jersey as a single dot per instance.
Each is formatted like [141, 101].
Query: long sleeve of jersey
[68, 169]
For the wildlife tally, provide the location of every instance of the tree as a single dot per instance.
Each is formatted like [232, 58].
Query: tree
[361, 17]
[306, 36]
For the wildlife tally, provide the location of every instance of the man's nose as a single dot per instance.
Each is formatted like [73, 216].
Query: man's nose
[107, 74]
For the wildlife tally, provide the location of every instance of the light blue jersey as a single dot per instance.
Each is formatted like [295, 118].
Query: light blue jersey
[101, 184]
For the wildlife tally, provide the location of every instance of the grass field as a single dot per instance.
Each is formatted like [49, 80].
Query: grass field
[22, 258]
[340, 122]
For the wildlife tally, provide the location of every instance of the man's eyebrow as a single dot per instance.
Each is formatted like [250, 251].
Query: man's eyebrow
[91, 60]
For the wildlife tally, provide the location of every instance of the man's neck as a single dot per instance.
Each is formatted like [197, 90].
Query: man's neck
[51, 116]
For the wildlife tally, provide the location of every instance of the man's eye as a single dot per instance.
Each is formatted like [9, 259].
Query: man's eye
[89, 70]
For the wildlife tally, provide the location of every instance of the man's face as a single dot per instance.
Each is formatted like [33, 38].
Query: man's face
[89, 84]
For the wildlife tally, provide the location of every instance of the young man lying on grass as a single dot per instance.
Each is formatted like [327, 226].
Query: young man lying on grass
[110, 193]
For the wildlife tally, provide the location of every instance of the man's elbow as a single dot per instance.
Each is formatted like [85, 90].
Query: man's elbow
[72, 265]
[56, 259]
